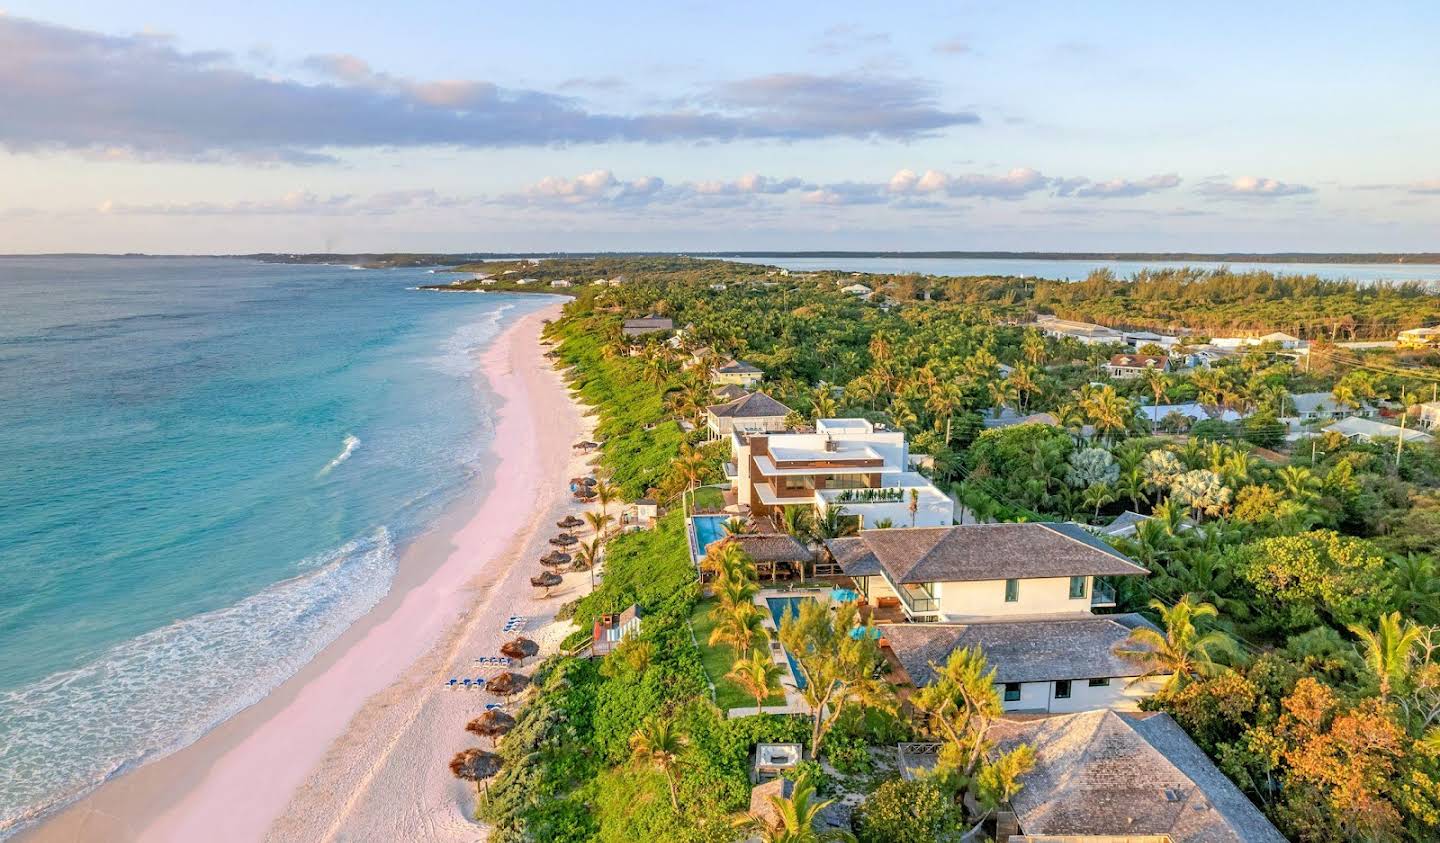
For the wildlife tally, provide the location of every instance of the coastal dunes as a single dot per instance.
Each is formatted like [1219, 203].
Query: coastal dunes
[357, 744]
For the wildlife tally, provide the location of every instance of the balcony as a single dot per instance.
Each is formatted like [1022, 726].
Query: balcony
[918, 599]
[1102, 595]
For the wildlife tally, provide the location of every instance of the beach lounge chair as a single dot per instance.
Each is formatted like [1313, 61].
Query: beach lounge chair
[465, 682]
[453, 682]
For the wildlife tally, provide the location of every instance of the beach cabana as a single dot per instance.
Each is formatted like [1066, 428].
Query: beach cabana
[547, 581]
[569, 522]
[555, 559]
[564, 540]
[476, 765]
[521, 648]
[507, 684]
[493, 724]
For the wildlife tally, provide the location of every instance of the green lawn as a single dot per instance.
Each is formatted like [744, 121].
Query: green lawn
[717, 661]
[708, 498]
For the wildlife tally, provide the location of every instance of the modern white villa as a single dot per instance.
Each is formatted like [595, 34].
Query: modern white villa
[852, 464]
[1023, 593]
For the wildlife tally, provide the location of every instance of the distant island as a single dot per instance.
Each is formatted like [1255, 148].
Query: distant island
[404, 259]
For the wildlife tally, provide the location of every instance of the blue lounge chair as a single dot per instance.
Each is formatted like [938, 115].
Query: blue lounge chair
[453, 682]
[465, 682]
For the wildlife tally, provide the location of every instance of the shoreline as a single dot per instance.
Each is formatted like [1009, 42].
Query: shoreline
[252, 770]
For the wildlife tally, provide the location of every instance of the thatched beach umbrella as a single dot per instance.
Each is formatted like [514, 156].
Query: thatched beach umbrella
[564, 540]
[492, 724]
[475, 765]
[569, 522]
[584, 496]
[507, 684]
[521, 648]
[547, 581]
[555, 559]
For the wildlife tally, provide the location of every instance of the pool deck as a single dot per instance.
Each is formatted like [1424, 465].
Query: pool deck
[794, 700]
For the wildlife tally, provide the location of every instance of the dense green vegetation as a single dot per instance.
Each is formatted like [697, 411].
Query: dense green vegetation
[1295, 588]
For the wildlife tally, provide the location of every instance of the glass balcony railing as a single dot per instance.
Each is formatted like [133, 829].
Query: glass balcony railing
[1102, 594]
[919, 600]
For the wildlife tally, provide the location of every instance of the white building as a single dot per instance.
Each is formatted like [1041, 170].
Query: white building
[1135, 339]
[1156, 413]
[560, 282]
[860, 290]
[1310, 406]
[1022, 593]
[1085, 332]
[1365, 430]
[1430, 414]
[848, 464]
[1129, 366]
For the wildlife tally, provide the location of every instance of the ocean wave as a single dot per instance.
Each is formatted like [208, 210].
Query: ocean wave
[351, 443]
[457, 357]
[154, 694]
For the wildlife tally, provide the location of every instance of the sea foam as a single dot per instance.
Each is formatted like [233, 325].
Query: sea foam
[350, 444]
[154, 694]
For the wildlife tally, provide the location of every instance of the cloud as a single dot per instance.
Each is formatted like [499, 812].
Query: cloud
[1429, 187]
[601, 187]
[803, 105]
[1253, 187]
[848, 38]
[295, 203]
[1012, 185]
[72, 89]
[953, 47]
[1115, 188]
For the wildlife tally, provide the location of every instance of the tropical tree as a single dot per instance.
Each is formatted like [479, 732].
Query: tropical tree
[914, 506]
[1158, 383]
[1131, 485]
[1388, 650]
[1097, 495]
[1106, 409]
[1160, 468]
[1090, 466]
[738, 626]
[1202, 491]
[755, 675]
[798, 522]
[839, 668]
[833, 523]
[1182, 651]
[598, 521]
[606, 494]
[1417, 587]
[795, 818]
[659, 744]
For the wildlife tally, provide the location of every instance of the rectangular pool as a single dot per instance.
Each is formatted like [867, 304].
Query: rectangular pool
[708, 530]
[778, 607]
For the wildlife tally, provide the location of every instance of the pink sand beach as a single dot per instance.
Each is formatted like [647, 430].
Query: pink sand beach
[356, 746]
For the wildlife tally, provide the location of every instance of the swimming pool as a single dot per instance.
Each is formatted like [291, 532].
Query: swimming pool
[708, 530]
[778, 605]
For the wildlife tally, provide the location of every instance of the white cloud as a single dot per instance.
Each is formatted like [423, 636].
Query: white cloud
[1253, 187]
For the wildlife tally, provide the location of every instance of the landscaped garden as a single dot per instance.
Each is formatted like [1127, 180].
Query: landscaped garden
[719, 658]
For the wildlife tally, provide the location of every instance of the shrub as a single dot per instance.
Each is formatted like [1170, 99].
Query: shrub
[908, 812]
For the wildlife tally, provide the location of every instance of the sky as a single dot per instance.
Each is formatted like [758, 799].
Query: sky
[159, 126]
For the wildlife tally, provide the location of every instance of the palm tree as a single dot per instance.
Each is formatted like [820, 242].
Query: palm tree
[691, 463]
[754, 676]
[1159, 384]
[605, 494]
[588, 554]
[822, 403]
[797, 521]
[1106, 409]
[658, 744]
[1097, 495]
[1132, 485]
[914, 506]
[1033, 347]
[1299, 482]
[1388, 650]
[1001, 392]
[833, 523]
[598, 522]
[1417, 587]
[1182, 651]
[795, 817]
[737, 626]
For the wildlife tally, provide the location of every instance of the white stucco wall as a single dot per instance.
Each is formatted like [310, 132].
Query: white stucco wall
[986, 598]
[1119, 695]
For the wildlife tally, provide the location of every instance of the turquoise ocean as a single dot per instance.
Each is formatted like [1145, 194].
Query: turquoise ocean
[207, 470]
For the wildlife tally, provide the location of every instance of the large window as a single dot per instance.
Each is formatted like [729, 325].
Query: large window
[1012, 591]
[1062, 689]
[1100, 683]
[1077, 587]
[1012, 692]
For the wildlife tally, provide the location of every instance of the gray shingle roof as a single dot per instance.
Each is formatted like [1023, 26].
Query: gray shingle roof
[983, 552]
[730, 392]
[1102, 773]
[1041, 648]
[754, 405]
